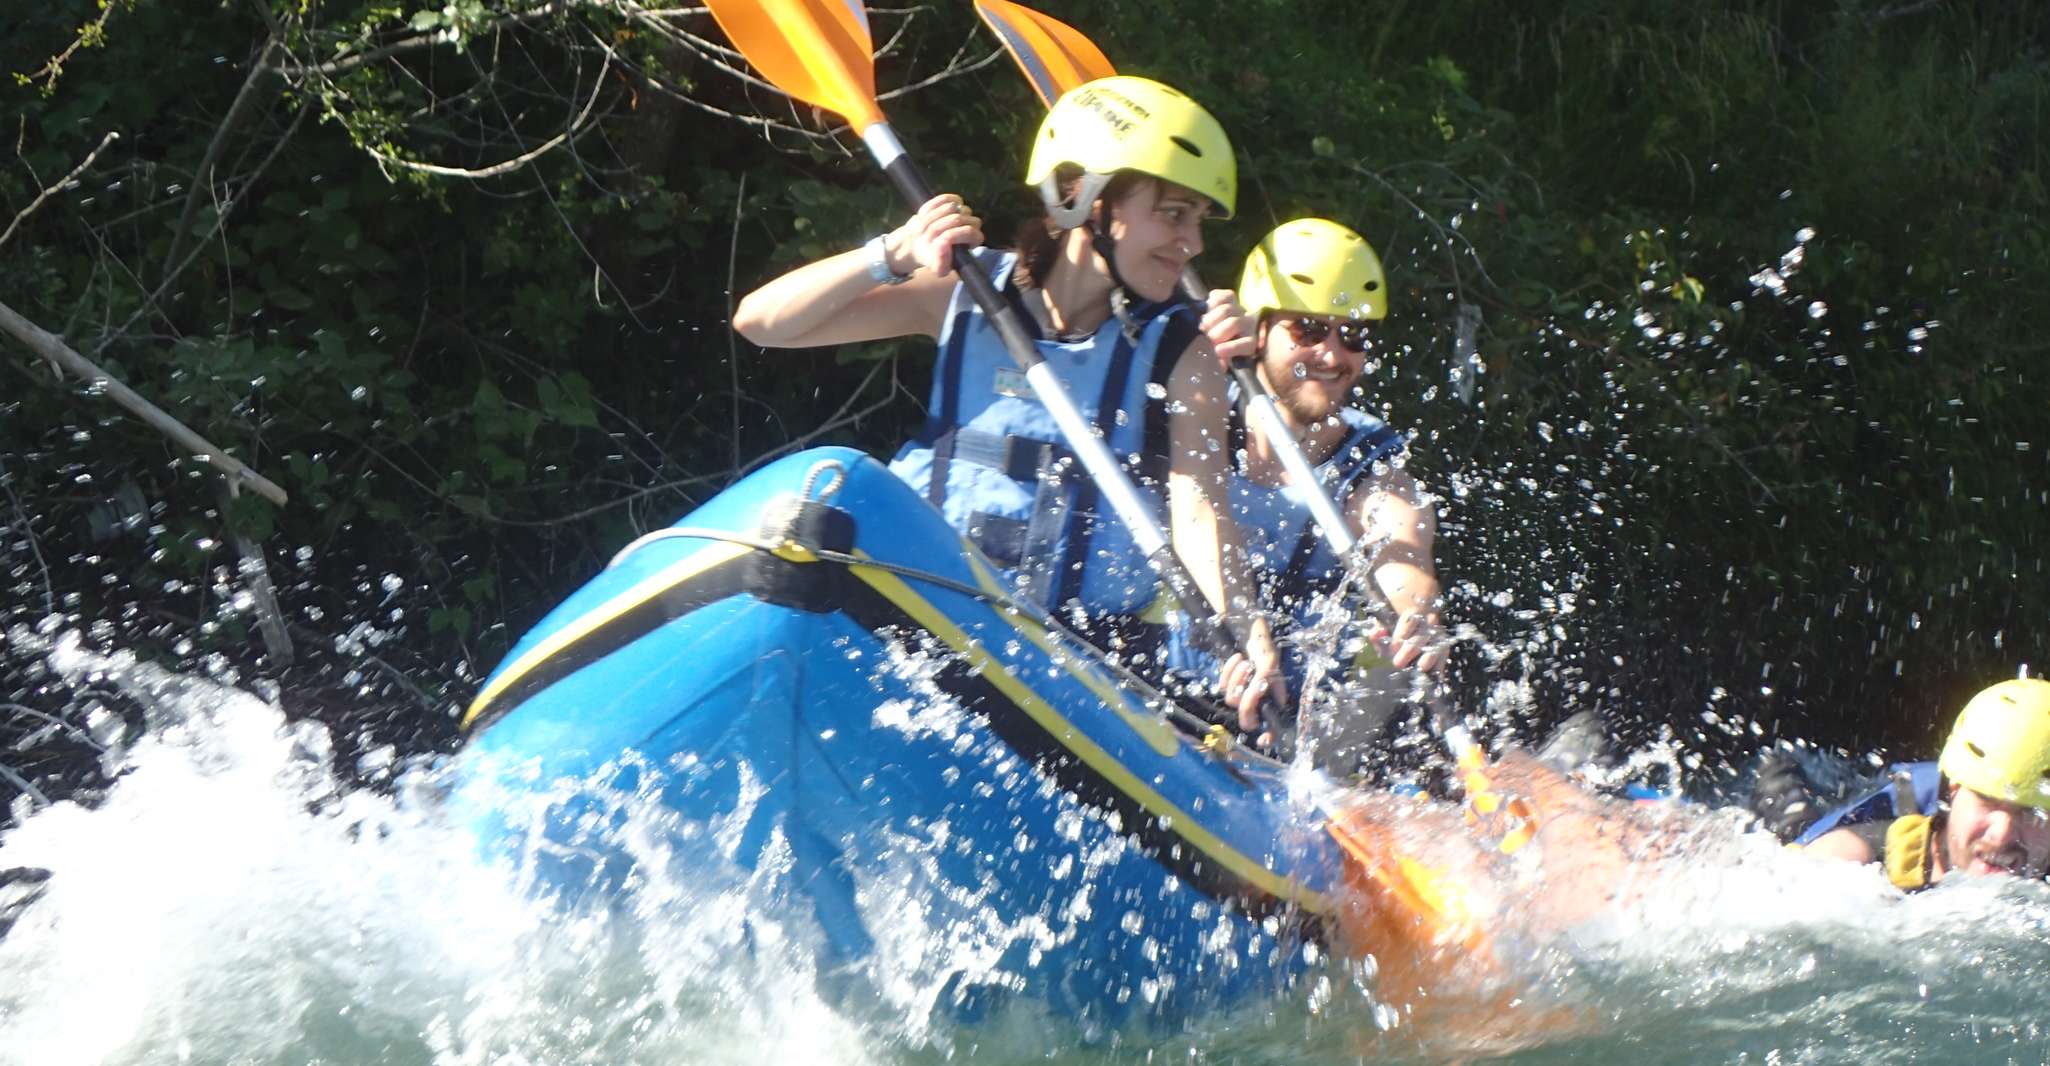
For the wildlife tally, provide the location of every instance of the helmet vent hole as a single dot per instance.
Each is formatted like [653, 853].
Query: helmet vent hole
[1302, 279]
[1188, 146]
[1372, 285]
[1975, 749]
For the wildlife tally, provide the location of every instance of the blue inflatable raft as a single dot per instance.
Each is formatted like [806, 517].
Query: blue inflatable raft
[817, 664]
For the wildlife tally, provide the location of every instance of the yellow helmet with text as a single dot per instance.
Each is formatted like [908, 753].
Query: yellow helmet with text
[2000, 747]
[1127, 123]
[1314, 266]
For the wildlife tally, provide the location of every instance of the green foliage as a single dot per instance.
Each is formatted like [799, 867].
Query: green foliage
[1760, 292]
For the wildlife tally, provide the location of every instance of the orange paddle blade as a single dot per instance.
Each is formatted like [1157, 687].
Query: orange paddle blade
[1410, 905]
[818, 51]
[1427, 905]
[1054, 55]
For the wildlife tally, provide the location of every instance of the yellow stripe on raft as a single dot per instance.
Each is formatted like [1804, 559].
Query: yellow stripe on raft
[1117, 774]
[655, 584]
[1158, 734]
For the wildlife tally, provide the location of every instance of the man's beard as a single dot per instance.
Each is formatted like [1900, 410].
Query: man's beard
[1307, 410]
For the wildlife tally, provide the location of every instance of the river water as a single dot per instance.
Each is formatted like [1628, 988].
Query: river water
[230, 901]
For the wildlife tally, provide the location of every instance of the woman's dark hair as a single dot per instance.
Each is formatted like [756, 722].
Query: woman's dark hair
[1039, 244]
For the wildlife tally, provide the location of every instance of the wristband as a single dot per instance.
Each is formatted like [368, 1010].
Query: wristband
[879, 263]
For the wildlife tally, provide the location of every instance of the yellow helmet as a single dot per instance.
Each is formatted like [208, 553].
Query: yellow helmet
[2000, 747]
[1314, 266]
[1126, 123]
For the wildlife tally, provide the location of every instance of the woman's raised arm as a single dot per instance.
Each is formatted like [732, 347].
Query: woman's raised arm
[851, 297]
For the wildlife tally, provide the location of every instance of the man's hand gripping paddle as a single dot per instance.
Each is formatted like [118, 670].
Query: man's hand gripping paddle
[820, 51]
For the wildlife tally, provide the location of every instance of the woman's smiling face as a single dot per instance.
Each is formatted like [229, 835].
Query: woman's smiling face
[1157, 228]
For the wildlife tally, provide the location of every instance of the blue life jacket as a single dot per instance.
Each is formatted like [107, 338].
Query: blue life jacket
[1290, 557]
[1286, 554]
[1908, 788]
[991, 458]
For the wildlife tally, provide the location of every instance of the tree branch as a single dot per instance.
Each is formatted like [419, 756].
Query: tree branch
[203, 176]
[220, 219]
[62, 185]
[732, 341]
[1902, 10]
[28, 533]
[90, 34]
[446, 35]
[517, 161]
[61, 356]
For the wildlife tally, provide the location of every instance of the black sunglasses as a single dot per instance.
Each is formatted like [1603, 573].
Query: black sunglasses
[1308, 332]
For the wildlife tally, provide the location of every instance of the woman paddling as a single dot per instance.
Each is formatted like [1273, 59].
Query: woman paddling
[1128, 169]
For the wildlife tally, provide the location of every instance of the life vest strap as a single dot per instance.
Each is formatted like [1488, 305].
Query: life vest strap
[1020, 458]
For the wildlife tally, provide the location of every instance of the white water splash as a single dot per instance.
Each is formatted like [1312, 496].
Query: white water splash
[228, 901]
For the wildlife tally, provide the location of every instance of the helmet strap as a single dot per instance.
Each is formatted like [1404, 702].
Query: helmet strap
[1121, 294]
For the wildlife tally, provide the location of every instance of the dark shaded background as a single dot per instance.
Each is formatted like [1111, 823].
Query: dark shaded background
[1760, 436]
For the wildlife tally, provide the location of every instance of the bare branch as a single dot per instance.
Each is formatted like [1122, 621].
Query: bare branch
[720, 56]
[732, 342]
[151, 300]
[1451, 237]
[203, 176]
[77, 730]
[951, 70]
[518, 161]
[840, 417]
[20, 783]
[28, 533]
[109, 255]
[674, 12]
[431, 39]
[61, 356]
[1902, 10]
[676, 93]
[598, 267]
[63, 184]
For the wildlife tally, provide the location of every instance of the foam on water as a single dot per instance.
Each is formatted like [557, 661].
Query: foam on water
[228, 901]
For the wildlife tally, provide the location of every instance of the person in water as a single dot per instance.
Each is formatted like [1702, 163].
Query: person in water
[1303, 311]
[1128, 170]
[1987, 812]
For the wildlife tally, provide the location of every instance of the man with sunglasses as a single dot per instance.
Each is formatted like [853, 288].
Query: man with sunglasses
[1310, 291]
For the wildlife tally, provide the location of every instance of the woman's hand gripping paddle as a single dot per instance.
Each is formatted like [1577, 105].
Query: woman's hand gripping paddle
[1056, 57]
[820, 51]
